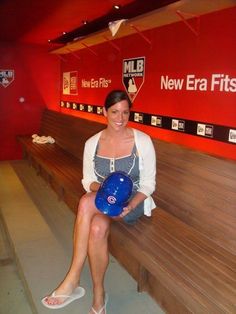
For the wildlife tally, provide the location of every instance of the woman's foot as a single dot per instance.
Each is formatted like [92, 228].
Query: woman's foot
[63, 295]
[62, 290]
[99, 307]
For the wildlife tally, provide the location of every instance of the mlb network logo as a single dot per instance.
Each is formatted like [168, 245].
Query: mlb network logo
[6, 77]
[133, 75]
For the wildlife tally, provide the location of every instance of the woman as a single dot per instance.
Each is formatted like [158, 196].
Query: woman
[117, 147]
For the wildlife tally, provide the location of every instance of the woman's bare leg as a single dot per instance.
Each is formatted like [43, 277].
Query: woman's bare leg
[85, 214]
[98, 257]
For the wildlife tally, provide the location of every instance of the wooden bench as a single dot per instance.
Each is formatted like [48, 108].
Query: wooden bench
[184, 256]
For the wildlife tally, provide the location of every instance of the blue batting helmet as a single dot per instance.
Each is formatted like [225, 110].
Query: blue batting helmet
[114, 193]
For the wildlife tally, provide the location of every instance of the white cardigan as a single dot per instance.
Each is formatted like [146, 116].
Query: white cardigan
[147, 166]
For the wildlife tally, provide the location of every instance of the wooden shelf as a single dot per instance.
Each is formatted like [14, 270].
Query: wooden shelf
[156, 18]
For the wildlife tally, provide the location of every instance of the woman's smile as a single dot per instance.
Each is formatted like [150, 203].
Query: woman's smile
[119, 123]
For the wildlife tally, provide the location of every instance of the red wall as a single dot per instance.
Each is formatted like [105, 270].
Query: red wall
[176, 52]
[36, 79]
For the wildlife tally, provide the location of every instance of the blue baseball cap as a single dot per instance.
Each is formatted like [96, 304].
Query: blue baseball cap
[114, 193]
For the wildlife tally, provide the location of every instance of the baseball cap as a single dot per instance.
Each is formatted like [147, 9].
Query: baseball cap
[114, 193]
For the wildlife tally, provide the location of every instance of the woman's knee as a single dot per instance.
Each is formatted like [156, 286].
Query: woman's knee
[100, 227]
[86, 203]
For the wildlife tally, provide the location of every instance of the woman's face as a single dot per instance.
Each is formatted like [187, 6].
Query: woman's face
[118, 114]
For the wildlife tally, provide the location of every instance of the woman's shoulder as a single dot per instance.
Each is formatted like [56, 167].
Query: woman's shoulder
[93, 139]
[140, 135]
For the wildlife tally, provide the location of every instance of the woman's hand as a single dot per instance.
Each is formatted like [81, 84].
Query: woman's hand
[133, 203]
[126, 210]
[94, 186]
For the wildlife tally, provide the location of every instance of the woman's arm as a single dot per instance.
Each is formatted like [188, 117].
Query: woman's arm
[147, 164]
[88, 165]
[133, 203]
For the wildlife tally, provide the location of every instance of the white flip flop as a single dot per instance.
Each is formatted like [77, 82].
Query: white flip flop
[78, 293]
[103, 308]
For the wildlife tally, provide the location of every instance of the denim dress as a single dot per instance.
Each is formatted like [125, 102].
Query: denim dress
[103, 166]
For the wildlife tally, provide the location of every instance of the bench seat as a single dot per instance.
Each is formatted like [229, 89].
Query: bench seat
[182, 269]
[184, 256]
[61, 170]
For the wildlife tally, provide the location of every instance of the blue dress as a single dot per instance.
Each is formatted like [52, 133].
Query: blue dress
[128, 164]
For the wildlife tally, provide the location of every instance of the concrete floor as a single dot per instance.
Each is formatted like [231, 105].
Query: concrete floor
[39, 233]
[13, 299]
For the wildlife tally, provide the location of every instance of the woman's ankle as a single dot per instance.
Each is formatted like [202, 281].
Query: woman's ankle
[99, 295]
[68, 285]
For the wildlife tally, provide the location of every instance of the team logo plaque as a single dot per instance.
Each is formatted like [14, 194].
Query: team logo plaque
[133, 75]
[6, 77]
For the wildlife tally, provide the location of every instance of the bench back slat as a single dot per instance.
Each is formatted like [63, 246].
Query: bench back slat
[69, 132]
[197, 188]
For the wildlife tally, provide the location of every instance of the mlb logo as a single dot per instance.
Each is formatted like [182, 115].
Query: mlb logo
[6, 77]
[209, 130]
[232, 136]
[181, 125]
[133, 75]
